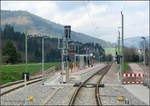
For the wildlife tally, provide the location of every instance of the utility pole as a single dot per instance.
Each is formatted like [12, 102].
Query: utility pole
[26, 67]
[118, 42]
[26, 50]
[62, 63]
[149, 62]
[67, 62]
[122, 21]
[144, 60]
[0, 58]
[43, 74]
[119, 57]
[63, 75]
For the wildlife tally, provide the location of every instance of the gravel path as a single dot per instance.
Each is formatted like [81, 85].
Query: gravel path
[18, 97]
[135, 68]
[147, 73]
[109, 94]
[62, 97]
[112, 76]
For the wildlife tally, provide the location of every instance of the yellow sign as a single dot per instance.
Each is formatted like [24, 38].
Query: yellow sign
[126, 101]
[120, 98]
[73, 65]
[31, 98]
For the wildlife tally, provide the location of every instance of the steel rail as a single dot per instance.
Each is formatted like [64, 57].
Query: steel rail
[75, 94]
[97, 92]
[20, 86]
[18, 82]
[31, 81]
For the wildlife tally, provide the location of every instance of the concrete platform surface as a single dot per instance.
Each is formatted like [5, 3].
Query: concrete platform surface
[86, 69]
[139, 91]
[55, 80]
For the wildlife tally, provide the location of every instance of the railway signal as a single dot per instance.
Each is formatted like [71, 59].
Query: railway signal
[67, 32]
[64, 56]
[117, 59]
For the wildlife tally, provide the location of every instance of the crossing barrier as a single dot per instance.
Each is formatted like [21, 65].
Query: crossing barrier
[133, 75]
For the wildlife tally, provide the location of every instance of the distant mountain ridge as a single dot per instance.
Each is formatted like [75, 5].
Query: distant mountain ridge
[36, 25]
[134, 42]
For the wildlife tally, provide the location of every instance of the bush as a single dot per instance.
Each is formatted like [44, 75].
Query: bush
[130, 55]
[9, 53]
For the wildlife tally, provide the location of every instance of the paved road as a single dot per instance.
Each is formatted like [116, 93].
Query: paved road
[135, 68]
[110, 93]
[139, 91]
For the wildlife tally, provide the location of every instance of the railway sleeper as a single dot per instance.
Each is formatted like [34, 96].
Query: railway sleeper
[88, 85]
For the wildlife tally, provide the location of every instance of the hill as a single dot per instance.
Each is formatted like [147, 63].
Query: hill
[36, 25]
[134, 42]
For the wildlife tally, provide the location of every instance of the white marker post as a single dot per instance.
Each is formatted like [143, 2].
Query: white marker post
[25, 88]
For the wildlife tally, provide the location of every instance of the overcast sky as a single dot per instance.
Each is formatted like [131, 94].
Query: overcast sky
[99, 19]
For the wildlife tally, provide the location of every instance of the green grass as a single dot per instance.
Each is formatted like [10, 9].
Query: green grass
[125, 66]
[109, 50]
[14, 72]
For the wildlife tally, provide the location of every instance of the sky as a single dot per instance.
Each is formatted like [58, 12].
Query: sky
[99, 19]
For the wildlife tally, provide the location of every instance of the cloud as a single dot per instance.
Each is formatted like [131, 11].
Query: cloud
[98, 19]
[137, 24]
[44, 9]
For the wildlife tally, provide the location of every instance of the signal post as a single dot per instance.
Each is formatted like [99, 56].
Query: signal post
[65, 54]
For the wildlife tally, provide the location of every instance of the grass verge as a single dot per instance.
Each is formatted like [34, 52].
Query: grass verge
[14, 72]
[125, 67]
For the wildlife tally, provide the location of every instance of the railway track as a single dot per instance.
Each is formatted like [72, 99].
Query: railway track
[98, 76]
[16, 85]
[97, 92]
[12, 86]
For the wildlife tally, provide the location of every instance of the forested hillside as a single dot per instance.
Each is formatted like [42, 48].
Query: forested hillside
[34, 46]
[13, 47]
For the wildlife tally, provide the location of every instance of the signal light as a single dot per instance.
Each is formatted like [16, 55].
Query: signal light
[67, 31]
[118, 57]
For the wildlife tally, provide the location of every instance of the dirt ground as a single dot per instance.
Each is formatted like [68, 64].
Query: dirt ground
[112, 74]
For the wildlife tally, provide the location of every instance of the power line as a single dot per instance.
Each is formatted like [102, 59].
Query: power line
[92, 22]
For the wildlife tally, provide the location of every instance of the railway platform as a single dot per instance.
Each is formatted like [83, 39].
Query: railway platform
[74, 76]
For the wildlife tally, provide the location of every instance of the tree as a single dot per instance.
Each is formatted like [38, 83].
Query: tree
[9, 53]
[146, 50]
[108, 58]
[131, 55]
